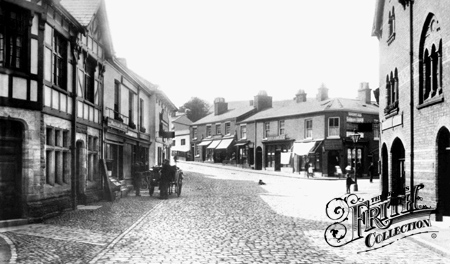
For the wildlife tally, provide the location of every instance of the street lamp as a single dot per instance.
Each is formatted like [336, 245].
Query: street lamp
[355, 138]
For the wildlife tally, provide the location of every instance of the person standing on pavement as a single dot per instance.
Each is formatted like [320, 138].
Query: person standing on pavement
[166, 174]
[136, 174]
[349, 181]
[371, 171]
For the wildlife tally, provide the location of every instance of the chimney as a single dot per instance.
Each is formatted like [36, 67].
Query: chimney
[300, 96]
[323, 93]
[220, 106]
[364, 93]
[122, 61]
[262, 101]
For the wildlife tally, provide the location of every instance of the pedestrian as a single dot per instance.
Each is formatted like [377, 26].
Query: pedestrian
[310, 170]
[371, 171]
[175, 158]
[166, 175]
[338, 171]
[136, 176]
[349, 181]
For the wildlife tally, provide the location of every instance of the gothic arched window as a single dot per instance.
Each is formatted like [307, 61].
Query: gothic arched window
[430, 63]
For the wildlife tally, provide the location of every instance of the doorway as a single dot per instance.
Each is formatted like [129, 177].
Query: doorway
[258, 163]
[81, 172]
[443, 174]
[10, 169]
[398, 167]
[384, 173]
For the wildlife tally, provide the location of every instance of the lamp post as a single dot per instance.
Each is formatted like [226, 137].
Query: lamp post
[355, 138]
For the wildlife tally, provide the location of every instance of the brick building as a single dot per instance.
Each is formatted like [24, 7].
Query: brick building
[295, 134]
[414, 82]
[213, 136]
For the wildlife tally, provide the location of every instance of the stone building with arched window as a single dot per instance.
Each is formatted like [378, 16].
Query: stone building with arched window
[414, 46]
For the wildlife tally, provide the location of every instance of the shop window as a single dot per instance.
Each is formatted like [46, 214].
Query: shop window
[57, 156]
[14, 24]
[92, 157]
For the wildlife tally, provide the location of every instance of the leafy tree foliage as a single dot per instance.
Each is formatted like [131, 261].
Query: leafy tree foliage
[195, 109]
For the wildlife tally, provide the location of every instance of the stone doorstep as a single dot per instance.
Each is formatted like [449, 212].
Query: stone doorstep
[88, 207]
[13, 222]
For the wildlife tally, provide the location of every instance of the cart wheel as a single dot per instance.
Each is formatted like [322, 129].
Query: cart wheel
[151, 190]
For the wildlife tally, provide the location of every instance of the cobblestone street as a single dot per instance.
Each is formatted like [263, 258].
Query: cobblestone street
[221, 217]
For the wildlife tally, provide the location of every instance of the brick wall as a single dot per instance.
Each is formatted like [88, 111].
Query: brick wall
[429, 120]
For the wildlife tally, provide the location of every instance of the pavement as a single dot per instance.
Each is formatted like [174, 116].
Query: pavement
[222, 218]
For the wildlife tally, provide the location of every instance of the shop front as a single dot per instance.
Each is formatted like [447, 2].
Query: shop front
[308, 155]
[277, 155]
[244, 153]
[211, 154]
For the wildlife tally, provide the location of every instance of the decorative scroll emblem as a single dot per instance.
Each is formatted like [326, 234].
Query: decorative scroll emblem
[378, 222]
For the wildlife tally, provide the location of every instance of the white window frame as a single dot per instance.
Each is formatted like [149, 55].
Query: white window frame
[242, 135]
[281, 127]
[334, 128]
[227, 127]
[308, 130]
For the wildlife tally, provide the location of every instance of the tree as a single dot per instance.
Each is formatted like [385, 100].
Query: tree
[195, 109]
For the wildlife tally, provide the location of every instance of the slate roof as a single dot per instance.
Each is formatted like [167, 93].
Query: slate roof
[235, 110]
[184, 120]
[311, 106]
[82, 10]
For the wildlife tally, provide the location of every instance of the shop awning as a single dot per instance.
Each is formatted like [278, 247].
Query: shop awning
[214, 144]
[205, 143]
[316, 147]
[241, 143]
[303, 148]
[225, 143]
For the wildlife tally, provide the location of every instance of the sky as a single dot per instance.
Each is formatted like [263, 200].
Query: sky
[236, 48]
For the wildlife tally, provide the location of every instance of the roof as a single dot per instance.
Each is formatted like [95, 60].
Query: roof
[378, 18]
[82, 10]
[292, 108]
[183, 119]
[235, 110]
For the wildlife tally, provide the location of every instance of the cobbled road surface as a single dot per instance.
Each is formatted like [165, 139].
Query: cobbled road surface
[220, 217]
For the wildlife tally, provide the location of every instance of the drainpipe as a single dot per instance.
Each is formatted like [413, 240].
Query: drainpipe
[74, 125]
[411, 57]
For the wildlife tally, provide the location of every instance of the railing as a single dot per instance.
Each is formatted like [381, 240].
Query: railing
[116, 115]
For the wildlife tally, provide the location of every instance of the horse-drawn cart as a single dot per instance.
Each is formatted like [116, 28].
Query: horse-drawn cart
[175, 183]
